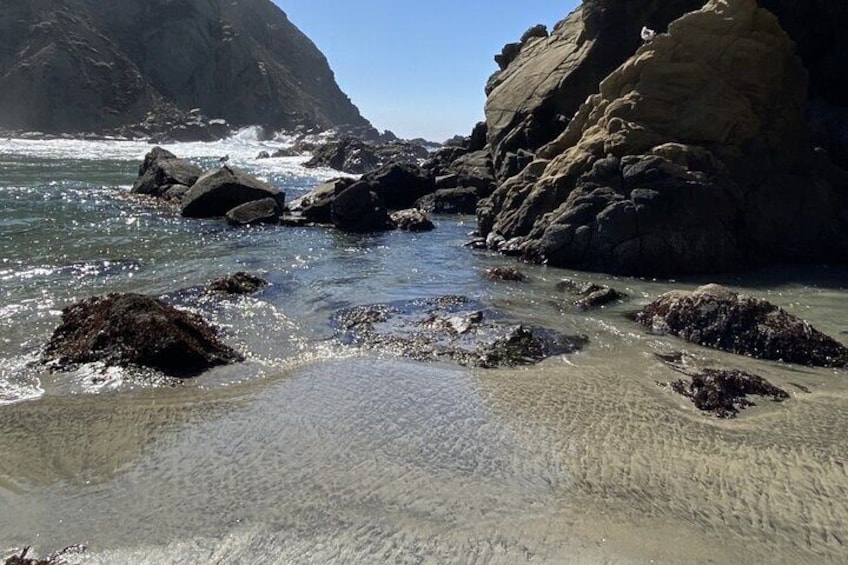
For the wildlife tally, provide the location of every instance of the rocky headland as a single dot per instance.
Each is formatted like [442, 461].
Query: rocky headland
[168, 69]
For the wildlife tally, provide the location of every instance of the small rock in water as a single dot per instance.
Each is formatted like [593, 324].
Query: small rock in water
[589, 295]
[505, 274]
[239, 283]
[411, 219]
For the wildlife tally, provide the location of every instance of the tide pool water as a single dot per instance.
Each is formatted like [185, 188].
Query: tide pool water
[312, 451]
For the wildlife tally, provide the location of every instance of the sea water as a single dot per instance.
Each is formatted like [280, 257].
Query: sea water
[312, 451]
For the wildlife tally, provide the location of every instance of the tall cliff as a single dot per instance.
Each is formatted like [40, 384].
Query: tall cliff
[84, 65]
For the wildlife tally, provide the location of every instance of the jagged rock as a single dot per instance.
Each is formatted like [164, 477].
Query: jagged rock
[133, 329]
[717, 317]
[450, 327]
[359, 209]
[265, 211]
[160, 170]
[725, 391]
[411, 219]
[219, 191]
[354, 156]
[505, 274]
[683, 165]
[349, 155]
[589, 295]
[239, 283]
[77, 65]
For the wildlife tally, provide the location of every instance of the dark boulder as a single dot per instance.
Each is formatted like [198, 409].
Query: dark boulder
[411, 219]
[359, 209]
[133, 329]
[315, 206]
[265, 211]
[453, 328]
[239, 283]
[714, 316]
[588, 295]
[461, 200]
[160, 170]
[217, 192]
[348, 154]
[400, 184]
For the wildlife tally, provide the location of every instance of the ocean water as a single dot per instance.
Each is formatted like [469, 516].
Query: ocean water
[312, 451]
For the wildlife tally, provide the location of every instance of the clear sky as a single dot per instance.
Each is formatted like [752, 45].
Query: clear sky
[418, 68]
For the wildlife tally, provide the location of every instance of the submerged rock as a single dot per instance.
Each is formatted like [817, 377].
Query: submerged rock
[725, 391]
[717, 317]
[239, 283]
[505, 273]
[589, 295]
[451, 327]
[133, 329]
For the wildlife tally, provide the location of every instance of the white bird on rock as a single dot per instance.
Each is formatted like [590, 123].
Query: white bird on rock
[648, 34]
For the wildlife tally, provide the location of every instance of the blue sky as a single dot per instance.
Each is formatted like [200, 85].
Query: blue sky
[418, 68]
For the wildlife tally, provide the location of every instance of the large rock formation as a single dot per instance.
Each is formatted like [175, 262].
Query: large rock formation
[87, 65]
[538, 89]
[694, 156]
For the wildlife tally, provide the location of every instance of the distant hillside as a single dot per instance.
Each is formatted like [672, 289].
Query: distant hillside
[89, 65]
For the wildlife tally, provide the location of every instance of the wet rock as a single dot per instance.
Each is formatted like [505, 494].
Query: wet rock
[316, 205]
[399, 185]
[451, 327]
[263, 155]
[461, 200]
[161, 170]
[358, 209]
[219, 191]
[589, 295]
[412, 219]
[725, 391]
[505, 274]
[239, 283]
[717, 317]
[133, 329]
[355, 156]
[265, 211]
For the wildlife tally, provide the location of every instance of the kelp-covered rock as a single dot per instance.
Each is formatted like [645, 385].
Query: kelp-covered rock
[133, 329]
[721, 391]
[161, 170]
[717, 317]
[453, 328]
[239, 283]
[694, 156]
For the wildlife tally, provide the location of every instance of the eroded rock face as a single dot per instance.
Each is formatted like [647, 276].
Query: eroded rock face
[133, 329]
[161, 170]
[453, 328]
[693, 157]
[545, 78]
[717, 317]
